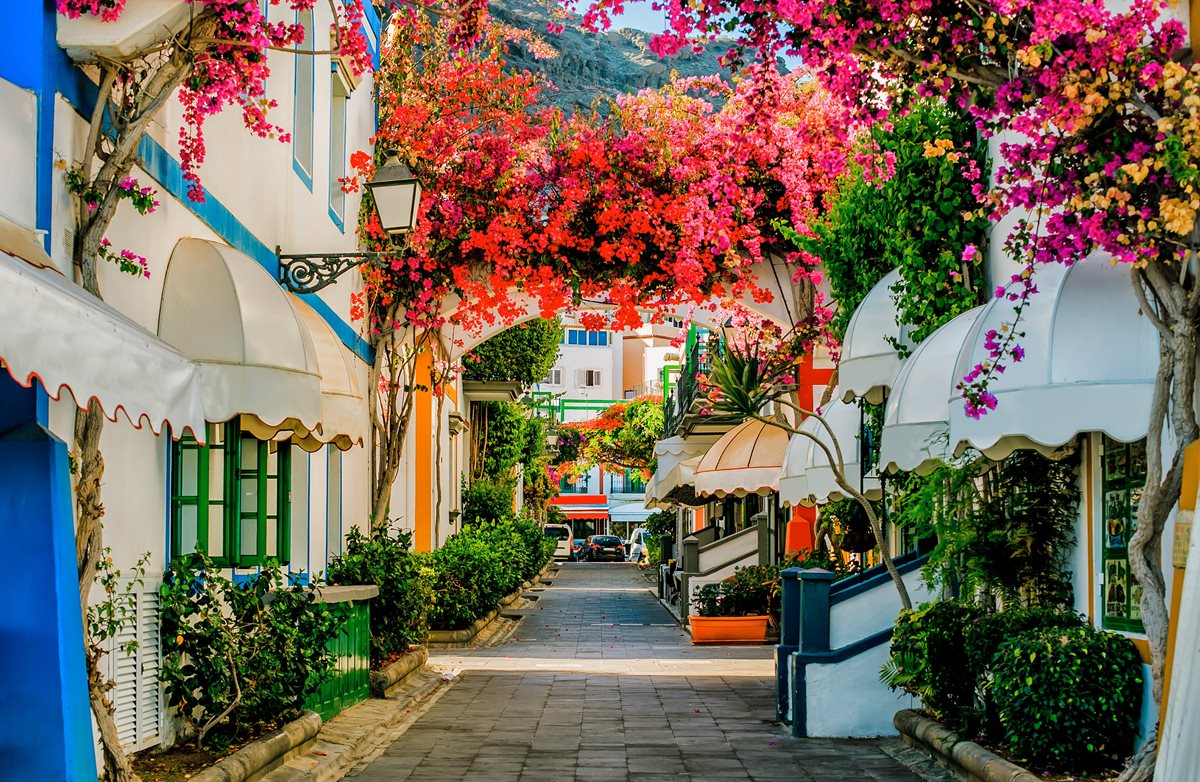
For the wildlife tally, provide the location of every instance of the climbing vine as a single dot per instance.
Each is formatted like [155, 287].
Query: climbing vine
[912, 208]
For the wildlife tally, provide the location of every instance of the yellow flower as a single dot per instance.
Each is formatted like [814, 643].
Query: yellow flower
[1177, 217]
[179, 640]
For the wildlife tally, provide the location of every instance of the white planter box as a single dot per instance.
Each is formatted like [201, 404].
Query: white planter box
[141, 25]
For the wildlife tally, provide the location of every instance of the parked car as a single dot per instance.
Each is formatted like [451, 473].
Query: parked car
[561, 532]
[637, 544]
[577, 549]
[604, 547]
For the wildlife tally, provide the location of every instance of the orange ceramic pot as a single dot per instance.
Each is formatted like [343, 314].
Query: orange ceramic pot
[728, 629]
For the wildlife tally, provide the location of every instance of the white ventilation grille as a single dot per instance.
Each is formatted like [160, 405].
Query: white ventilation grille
[137, 696]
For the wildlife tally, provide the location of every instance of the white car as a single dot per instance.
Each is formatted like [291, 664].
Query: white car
[564, 535]
[637, 544]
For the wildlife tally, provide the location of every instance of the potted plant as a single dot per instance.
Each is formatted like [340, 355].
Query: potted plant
[736, 610]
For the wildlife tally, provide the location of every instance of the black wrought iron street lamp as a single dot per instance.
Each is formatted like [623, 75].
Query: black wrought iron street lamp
[396, 192]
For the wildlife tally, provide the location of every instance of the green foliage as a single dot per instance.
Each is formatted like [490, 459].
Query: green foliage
[929, 660]
[533, 444]
[524, 353]
[1028, 529]
[621, 438]
[478, 566]
[986, 635]
[913, 221]
[503, 441]
[660, 522]
[399, 614]
[847, 524]
[750, 591]
[1068, 697]
[108, 617]
[240, 656]
[538, 489]
[1005, 529]
[487, 500]
[806, 559]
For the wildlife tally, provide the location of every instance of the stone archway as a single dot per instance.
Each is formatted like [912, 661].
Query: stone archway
[789, 303]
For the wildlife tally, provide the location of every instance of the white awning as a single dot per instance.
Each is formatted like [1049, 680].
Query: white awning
[58, 333]
[673, 452]
[256, 358]
[916, 422]
[652, 498]
[746, 460]
[869, 361]
[1090, 361]
[628, 511]
[344, 416]
[808, 462]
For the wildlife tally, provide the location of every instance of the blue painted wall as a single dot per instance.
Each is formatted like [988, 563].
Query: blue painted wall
[45, 724]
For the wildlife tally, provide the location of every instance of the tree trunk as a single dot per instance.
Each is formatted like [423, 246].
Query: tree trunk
[395, 365]
[1172, 306]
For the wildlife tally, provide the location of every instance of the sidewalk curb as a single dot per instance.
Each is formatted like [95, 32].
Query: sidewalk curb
[362, 730]
[262, 756]
[399, 672]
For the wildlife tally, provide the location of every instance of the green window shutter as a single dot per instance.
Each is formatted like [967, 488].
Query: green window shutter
[196, 491]
[260, 500]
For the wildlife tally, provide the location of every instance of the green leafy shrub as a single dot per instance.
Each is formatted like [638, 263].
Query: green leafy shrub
[240, 656]
[478, 566]
[487, 500]
[467, 581]
[524, 353]
[986, 635]
[750, 591]
[1068, 697]
[929, 660]
[399, 615]
[501, 441]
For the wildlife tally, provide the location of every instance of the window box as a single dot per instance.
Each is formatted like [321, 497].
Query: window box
[728, 629]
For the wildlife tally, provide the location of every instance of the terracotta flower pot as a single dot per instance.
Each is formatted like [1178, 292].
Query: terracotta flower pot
[728, 629]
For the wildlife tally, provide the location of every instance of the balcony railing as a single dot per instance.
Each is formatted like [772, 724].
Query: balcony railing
[581, 486]
[702, 349]
[629, 483]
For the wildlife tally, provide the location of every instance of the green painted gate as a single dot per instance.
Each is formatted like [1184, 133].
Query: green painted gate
[351, 681]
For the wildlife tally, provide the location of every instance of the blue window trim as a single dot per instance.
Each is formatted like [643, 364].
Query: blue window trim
[305, 176]
[60, 75]
[338, 219]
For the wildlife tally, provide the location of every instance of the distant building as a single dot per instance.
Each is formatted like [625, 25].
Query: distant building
[596, 369]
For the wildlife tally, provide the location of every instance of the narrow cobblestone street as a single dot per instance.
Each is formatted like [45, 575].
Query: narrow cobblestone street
[599, 683]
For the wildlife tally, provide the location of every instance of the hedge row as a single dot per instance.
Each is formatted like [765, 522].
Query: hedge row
[447, 589]
[1038, 682]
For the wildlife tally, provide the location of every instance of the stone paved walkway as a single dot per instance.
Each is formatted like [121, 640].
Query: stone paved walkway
[600, 684]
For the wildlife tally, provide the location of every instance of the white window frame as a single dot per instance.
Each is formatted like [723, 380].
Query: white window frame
[583, 376]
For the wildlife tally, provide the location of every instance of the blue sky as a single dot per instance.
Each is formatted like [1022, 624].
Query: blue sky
[640, 16]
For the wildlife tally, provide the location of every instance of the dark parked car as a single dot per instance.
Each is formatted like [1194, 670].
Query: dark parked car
[577, 549]
[604, 547]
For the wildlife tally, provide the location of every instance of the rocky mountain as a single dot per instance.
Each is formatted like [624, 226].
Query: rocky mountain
[591, 66]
